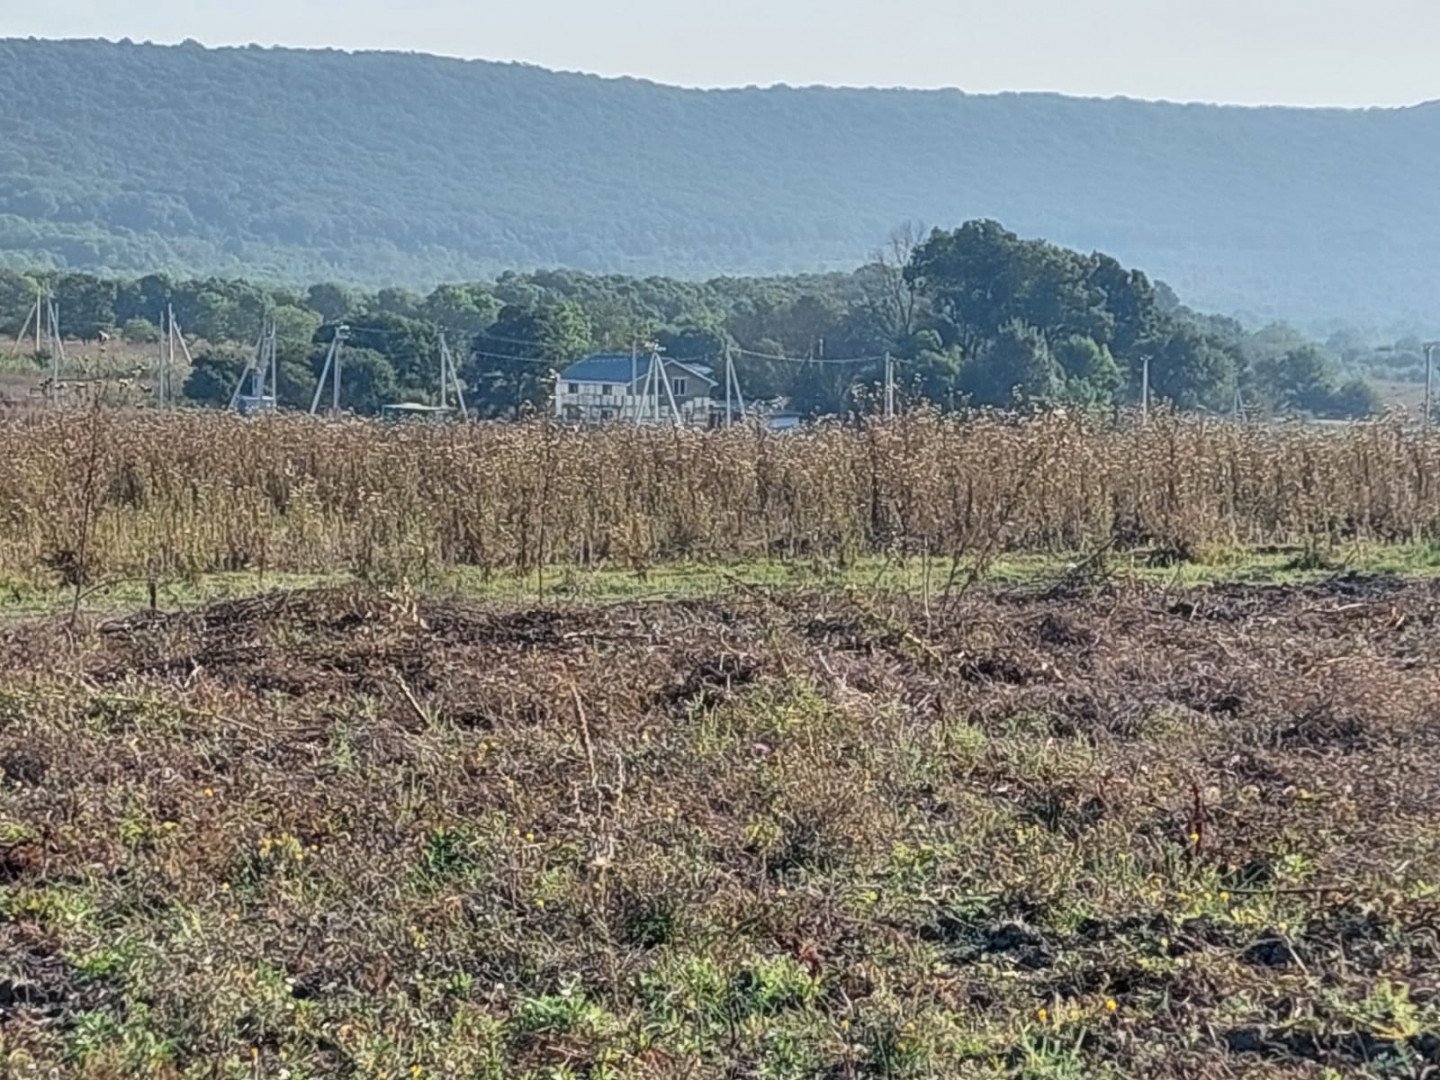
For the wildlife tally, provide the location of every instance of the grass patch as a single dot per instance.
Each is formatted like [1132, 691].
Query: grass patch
[938, 579]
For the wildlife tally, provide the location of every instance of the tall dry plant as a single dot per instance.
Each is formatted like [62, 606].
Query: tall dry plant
[191, 493]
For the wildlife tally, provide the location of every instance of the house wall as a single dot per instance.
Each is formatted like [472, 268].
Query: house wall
[590, 405]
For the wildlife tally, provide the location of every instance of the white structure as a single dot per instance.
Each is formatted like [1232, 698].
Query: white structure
[635, 389]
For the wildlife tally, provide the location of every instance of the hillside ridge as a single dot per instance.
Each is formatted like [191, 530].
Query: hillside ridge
[384, 167]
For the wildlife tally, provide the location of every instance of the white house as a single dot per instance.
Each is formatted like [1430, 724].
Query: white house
[605, 388]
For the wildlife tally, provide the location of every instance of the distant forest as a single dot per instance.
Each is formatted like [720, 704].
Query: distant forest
[381, 169]
[976, 316]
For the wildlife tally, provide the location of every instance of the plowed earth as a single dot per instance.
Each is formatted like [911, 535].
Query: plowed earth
[1139, 833]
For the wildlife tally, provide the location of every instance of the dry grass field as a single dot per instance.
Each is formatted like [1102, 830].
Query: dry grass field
[122, 373]
[93, 495]
[1107, 832]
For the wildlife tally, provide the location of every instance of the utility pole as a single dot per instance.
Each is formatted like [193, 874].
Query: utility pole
[169, 333]
[449, 379]
[734, 399]
[1430, 347]
[657, 361]
[335, 385]
[642, 407]
[729, 379]
[735, 381]
[57, 343]
[444, 375]
[889, 386]
[331, 371]
[162, 374]
[177, 337]
[634, 375]
[1145, 391]
[262, 364]
[258, 360]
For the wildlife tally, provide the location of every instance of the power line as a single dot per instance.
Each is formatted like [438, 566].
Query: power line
[485, 336]
[504, 340]
[519, 359]
[810, 360]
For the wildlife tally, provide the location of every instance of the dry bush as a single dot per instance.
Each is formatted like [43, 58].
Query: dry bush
[192, 493]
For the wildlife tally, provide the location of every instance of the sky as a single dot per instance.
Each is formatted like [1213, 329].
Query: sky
[1293, 52]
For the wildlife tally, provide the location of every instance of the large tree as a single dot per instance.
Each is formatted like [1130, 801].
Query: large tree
[1015, 367]
[512, 365]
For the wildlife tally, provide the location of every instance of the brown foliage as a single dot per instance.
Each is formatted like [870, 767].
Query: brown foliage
[188, 494]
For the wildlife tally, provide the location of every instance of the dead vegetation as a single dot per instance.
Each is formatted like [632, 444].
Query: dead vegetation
[183, 495]
[361, 833]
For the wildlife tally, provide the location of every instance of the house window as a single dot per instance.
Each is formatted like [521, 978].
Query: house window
[679, 385]
[572, 388]
[607, 390]
[572, 412]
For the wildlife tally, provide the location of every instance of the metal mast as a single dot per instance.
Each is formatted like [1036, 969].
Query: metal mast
[331, 371]
[450, 379]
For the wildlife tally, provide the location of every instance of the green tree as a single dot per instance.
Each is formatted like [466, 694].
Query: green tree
[296, 377]
[820, 389]
[1131, 301]
[410, 346]
[85, 305]
[699, 344]
[367, 380]
[1189, 369]
[462, 309]
[1091, 375]
[17, 298]
[1297, 380]
[1016, 367]
[982, 277]
[512, 365]
[332, 302]
[139, 331]
[394, 301]
[216, 372]
[934, 374]
[1356, 399]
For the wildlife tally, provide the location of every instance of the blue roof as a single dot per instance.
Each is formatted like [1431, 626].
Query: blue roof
[616, 368]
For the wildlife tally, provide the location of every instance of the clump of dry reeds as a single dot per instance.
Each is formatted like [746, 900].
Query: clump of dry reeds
[199, 492]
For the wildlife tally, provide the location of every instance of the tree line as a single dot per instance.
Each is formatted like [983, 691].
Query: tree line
[974, 317]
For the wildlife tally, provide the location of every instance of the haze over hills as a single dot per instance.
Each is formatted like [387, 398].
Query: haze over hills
[384, 168]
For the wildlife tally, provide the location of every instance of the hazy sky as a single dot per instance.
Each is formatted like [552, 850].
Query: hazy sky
[1307, 52]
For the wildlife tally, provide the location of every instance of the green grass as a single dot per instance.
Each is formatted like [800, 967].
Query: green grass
[688, 580]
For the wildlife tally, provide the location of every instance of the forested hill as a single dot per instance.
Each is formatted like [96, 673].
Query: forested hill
[384, 168]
